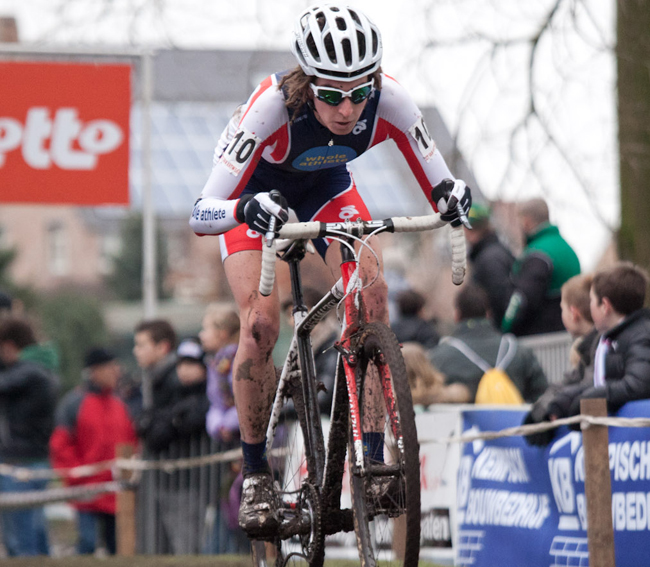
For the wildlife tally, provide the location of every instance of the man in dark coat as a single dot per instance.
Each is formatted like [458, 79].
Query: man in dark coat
[490, 261]
[28, 390]
[538, 274]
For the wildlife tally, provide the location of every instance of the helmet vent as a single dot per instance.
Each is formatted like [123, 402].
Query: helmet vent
[311, 45]
[347, 51]
[328, 42]
[321, 19]
[340, 23]
[361, 40]
[355, 17]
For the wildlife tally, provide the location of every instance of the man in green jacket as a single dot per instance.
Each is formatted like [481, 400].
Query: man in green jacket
[477, 332]
[538, 274]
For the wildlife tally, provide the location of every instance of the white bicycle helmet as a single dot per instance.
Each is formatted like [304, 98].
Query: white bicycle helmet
[335, 41]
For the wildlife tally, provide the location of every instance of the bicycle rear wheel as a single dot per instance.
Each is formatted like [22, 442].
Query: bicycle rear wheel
[387, 524]
[300, 499]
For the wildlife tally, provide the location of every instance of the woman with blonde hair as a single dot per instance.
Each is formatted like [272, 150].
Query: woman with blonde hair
[427, 382]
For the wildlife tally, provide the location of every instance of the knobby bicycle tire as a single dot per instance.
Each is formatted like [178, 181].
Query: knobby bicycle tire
[289, 465]
[387, 530]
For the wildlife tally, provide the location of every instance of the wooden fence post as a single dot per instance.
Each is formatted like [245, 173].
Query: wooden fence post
[598, 486]
[125, 514]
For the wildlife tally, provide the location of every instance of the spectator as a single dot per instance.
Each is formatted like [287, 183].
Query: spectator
[91, 422]
[154, 350]
[219, 337]
[184, 414]
[490, 261]
[476, 331]
[411, 326]
[576, 316]
[426, 382]
[28, 390]
[622, 358]
[172, 426]
[323, 337]
[538, 274]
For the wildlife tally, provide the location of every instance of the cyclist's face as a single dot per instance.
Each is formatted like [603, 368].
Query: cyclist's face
[339, 119]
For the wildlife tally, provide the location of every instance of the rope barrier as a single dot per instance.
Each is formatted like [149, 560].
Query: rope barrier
[40, 497]
[32, 498]
[584, 420]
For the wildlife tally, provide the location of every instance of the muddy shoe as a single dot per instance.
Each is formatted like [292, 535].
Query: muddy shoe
[258, 508]
[387, 494]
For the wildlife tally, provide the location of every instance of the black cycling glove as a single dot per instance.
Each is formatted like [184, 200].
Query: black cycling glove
[443, 192]
[257, 210]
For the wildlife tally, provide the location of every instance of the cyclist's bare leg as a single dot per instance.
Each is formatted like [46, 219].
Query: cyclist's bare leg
[254, 378]
[376, 299]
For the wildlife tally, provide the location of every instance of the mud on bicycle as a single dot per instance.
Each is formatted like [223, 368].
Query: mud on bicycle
[371, 396]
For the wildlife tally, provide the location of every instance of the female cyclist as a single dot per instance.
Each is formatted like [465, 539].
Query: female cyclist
[295, 134]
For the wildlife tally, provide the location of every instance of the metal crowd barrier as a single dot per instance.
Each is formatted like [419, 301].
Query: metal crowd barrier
[552, 350]
[185, 511]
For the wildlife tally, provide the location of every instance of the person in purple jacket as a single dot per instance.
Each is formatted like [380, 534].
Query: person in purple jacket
[219, 337]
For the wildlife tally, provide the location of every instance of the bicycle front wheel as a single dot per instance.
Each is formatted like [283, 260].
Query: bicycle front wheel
[300, 503]
[386, 498]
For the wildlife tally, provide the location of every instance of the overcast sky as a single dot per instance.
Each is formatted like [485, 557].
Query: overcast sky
[567, 154]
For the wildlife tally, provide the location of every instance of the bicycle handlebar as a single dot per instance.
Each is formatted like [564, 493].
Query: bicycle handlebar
[309, 230]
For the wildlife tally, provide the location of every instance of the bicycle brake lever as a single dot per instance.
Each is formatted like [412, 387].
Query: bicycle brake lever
[453, 203]
[270, 233]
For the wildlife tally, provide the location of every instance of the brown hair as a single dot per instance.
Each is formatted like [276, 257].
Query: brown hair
[17, 331]
[298, 92]
[575, 292]
[624, 284]
[472, 302]
[159, 330]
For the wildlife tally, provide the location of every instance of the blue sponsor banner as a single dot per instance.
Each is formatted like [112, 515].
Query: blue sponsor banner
[521, 505]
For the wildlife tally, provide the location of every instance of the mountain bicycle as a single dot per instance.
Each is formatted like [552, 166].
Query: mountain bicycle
[384, 498]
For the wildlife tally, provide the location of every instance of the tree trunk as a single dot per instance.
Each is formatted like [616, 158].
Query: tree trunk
[633, 60]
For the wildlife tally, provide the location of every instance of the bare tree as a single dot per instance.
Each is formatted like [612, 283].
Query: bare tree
[633, 59]
[532, 105]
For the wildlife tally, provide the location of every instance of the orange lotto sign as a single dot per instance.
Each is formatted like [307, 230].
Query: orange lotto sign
[64, 133]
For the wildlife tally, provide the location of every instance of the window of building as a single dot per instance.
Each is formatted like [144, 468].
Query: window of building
[58, 249]
[110, 248]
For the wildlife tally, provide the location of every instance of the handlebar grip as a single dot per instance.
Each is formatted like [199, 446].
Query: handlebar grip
[267, 277]
[458, 255]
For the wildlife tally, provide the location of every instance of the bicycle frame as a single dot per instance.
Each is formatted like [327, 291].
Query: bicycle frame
[300, 352]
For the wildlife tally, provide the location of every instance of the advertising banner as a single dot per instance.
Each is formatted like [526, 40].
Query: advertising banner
[522, 505]
[64, 133]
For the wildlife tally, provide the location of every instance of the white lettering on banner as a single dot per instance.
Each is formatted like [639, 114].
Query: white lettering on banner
[501, 464]
[505, 508]
[630, 460]
[94, 138]
[562, 483]
[630, 511]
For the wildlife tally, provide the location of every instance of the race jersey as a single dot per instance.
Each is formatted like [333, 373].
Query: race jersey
[261, 140]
